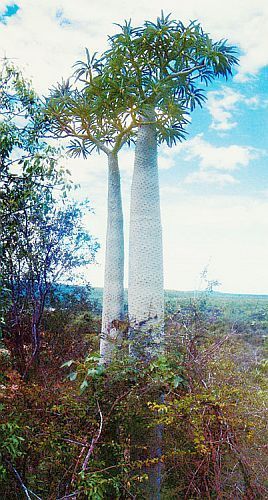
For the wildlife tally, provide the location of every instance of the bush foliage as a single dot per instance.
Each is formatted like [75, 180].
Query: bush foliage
[78, 428]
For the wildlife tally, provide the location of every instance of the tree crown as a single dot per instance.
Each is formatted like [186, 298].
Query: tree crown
[164, 65]
[171, 64]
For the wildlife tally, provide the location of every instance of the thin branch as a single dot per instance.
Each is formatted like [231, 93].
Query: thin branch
[69, 496]
[185, 72]
[94, 440]
[76, 464]
[74, 442]
[24, 488]
[94, 139]
[34, 494]
[125, 394]
[123, 136]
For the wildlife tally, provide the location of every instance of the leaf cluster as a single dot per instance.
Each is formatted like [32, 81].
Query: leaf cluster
[21, 115]
[164, 66]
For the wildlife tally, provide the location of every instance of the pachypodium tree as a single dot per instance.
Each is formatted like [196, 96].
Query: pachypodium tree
[93, 113]
[145, 84]
[172, 65]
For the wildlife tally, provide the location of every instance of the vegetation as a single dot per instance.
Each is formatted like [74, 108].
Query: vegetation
[42, 236]
[190, 418]
[141, 90]
[70, 428]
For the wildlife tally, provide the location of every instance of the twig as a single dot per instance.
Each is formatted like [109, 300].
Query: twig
[91, 448]
[34, 494]
[94, 440]
[195, 473]
[75, 442]
[69, 496]
[24, 488]
[119, 399]
[76, 464]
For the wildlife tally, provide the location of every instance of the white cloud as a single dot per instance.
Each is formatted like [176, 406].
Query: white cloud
[223, 104]
[254, 102]
[218, 157]
[254, 39]
[215, 162]
[166, 162]
[167, 156]
[210, 177]
[229, 230]
[47, 37]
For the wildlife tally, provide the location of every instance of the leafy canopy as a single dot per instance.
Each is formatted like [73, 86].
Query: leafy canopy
[164, 66]
[21, 117]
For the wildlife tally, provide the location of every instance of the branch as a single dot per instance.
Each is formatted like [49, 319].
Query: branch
[119, 398]
[91, 448]
[69, 496]
[94, 440]
[122, 136]
[185, 72]
[74, 442]
[94, 139]
[69, 131]
[24, 488]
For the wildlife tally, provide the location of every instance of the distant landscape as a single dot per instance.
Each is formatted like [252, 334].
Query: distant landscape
[245, 314]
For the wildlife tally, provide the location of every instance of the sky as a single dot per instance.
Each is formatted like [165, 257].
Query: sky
[214, 185]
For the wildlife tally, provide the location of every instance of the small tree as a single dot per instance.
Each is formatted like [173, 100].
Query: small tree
[47, 243]
[21, 129]
[39, 242]
[93, 114]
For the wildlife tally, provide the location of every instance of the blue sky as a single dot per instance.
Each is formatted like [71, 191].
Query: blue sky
[214, 186]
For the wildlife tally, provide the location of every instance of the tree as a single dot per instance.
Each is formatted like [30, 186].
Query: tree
[39, 242]
[21, 129]
[22, 123]
[44, 242]
[94, 115]
[168, 61]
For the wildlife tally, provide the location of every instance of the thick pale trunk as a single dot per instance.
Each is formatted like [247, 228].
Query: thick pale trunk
[145, 289]
[113, 291]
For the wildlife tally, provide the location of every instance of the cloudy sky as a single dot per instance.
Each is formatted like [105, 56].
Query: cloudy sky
[214, 186]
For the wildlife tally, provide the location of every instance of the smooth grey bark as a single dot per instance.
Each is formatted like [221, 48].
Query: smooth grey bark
[113, 291]
[145, 288]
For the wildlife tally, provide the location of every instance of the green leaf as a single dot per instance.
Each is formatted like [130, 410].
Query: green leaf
[67, 363]
[72, 376]
[177, 381]
[83, 386]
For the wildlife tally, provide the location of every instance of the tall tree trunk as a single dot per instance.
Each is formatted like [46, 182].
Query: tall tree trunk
[145, 288]
[113, 292]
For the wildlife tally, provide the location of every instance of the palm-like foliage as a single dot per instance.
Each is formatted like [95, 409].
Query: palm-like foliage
[166, 66]
[91, 108]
